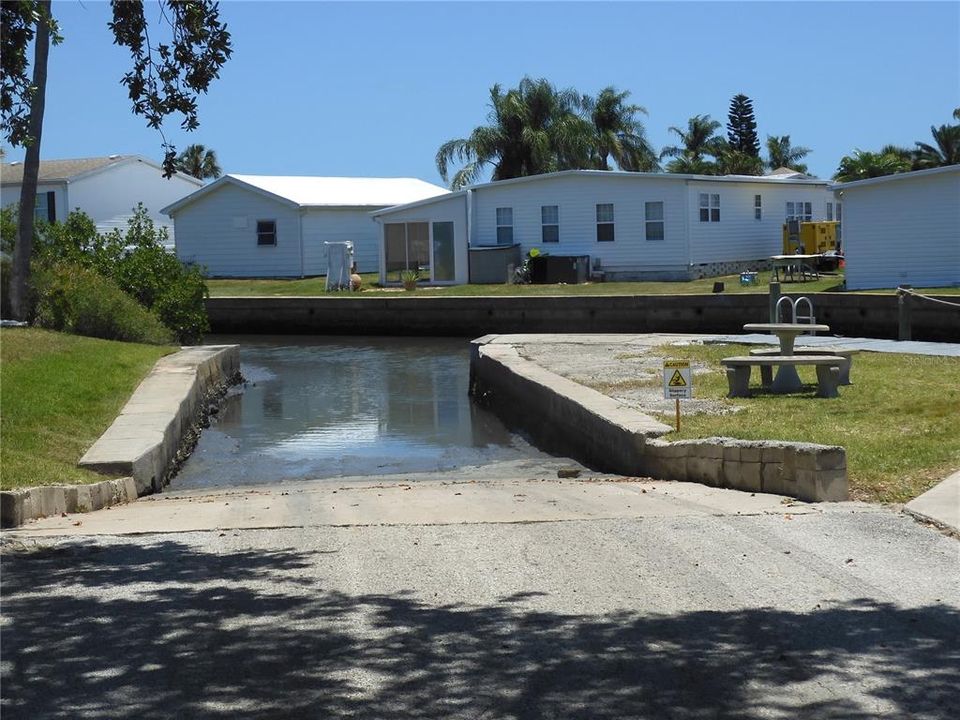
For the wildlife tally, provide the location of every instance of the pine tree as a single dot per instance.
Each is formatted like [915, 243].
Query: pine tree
[742, 126]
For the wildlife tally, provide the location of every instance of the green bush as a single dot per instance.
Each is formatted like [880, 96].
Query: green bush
[138, 262]
[75, 299]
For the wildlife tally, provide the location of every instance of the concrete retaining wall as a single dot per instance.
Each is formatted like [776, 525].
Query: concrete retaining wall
[419, 314]
[567, 418]
[143, 443]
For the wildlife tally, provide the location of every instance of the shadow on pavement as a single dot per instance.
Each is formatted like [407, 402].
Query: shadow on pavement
[165, 630]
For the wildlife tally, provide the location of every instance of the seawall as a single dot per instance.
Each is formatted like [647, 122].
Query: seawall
[849, 314]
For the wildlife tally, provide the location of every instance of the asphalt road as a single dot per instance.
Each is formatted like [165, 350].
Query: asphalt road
[833, 611]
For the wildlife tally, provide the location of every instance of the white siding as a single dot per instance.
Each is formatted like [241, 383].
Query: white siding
[219, 231]
[10, 195]
[904, 231]
[337, 225]
[577, 197]
[445, 209]
[110, 196]
[739, 235]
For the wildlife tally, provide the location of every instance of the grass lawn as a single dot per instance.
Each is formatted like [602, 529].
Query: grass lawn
[898, 421]
[315, 287]
[59, 393]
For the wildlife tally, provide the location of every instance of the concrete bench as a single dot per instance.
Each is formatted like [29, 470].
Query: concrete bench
[828, 371]
[766, 371]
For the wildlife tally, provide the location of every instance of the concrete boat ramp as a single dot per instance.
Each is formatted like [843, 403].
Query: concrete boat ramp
[419, 500]
[496, 592]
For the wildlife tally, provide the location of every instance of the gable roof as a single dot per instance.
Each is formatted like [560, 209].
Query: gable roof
[310, 191]
[66, 170]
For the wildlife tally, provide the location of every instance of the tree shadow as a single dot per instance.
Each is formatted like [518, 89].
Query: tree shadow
[167, 630]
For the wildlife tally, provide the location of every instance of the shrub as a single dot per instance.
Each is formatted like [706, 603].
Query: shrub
[75, 299]
[138, 262]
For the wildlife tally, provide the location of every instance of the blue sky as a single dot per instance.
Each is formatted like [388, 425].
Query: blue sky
[373, 89]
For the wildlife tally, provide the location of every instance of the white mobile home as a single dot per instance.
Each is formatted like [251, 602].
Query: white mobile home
[631, 225]
[902, 229]
[105, 188]
[276, 226]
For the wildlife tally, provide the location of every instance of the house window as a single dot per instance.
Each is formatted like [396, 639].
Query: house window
[550, 223]
[605, 222]
[653, 213]
[802, 211]
[757, 207]
[505, 226]
[266, 232]
[709, 208]
[46, 207]
[829, 211]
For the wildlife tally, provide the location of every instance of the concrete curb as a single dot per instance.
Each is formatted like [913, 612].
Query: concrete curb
[566, 417]
[19, 506]
[940, 504]
[144, 442]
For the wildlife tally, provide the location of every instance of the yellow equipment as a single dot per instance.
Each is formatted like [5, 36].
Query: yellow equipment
[809, 238]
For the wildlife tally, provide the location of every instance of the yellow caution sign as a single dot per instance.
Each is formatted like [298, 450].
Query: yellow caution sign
[677, 383]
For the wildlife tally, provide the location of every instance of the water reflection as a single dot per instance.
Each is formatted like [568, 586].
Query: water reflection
[323, 407]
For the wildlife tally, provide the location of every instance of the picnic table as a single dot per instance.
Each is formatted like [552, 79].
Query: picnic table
[793, 266]
[787, 380]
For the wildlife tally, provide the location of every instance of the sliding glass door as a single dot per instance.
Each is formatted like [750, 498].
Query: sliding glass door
[409, 246]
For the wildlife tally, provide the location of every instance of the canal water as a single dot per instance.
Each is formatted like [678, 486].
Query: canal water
[330, 406]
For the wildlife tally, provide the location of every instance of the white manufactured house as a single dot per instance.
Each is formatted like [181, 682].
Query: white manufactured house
[277, 226]
[107, 189]
[902, 229]
[631, 225]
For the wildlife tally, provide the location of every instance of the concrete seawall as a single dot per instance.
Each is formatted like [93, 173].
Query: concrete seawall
[419, 314]
[566, 417]
[144, 443]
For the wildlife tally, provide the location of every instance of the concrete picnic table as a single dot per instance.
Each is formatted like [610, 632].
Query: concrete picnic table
[787, 380]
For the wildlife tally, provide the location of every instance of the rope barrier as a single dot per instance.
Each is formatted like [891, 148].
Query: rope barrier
[906, 291]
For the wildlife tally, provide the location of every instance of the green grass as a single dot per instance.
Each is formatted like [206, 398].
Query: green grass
[315, 286]
[59, 393]
[898, 421]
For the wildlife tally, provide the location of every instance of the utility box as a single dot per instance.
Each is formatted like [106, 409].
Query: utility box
[810, 238]
[553, 269]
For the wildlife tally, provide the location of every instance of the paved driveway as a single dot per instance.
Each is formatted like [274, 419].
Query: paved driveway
[659, 601]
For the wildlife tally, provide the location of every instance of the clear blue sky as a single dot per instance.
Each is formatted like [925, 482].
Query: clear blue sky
[373, 89]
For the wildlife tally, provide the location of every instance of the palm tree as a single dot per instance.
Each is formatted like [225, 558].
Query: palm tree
[532, 129]
[199, 162]
[731, 161]
[780, 153]
[698, 143]
[945, 151]
[618, 134]
[862, 165]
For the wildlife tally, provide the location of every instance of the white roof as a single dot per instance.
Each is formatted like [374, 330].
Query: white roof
[343, 191]
[309, 191]
[897, 177]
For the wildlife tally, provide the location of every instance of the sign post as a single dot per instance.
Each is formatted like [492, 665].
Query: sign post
[677, 382]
